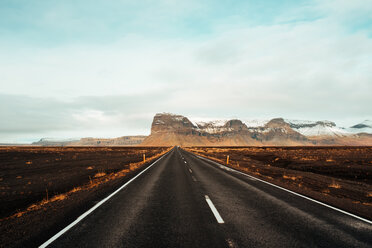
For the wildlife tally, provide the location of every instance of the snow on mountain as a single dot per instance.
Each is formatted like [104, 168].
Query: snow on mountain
[318, 128]
[209, 125]
[216, 123]
[217, 126]
[255, 123]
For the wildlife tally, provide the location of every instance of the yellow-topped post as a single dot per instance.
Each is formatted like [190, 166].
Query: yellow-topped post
[227, 159]
[144, 158]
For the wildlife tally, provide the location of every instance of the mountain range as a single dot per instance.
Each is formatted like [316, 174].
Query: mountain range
[171, 129]
[120, 141]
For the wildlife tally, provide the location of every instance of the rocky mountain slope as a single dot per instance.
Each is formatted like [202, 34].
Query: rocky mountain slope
[170, 129]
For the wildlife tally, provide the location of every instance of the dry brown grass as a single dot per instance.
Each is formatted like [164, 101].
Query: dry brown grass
[334, 185]
[99, 174]
[293, 178]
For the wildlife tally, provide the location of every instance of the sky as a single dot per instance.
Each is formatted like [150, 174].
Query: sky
[71, 69]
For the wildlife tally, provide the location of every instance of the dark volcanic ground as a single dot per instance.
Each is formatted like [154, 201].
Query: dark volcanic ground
[31, 174]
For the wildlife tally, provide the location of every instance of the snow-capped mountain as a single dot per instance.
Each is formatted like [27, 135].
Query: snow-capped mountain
[170, 129]
[317, 128]
[363, 127]
[210, 126]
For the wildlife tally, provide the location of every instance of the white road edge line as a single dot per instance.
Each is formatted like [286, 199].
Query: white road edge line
[214, 210]
[292, 192]
[81, 217]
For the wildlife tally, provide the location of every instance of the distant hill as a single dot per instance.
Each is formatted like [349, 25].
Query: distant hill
[120, 141]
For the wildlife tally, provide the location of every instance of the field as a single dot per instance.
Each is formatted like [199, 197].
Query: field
[339, 176]
[33, 174]
[45, 184]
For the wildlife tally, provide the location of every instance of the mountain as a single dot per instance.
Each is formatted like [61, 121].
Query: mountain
[170, 129]
[120, 141]
[318, 128]
[364, 127]
[54, 142]
[279, 131]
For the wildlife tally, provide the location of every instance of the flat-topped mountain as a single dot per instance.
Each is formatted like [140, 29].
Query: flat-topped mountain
[164, 123]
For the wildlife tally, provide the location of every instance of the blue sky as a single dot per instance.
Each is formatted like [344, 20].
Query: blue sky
[104, 68]
[56, 23]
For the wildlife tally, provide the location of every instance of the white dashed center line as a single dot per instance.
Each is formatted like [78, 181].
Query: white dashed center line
[190, 170]
[214, 210]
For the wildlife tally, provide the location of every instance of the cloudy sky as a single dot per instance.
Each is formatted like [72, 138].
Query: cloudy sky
[104, 68]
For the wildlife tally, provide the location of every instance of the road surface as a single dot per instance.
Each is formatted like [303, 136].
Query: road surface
[185, 201]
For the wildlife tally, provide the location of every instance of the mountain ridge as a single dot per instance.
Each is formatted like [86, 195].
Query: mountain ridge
[170, 129]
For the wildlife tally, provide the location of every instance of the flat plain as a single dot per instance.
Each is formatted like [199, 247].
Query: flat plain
[45, 189]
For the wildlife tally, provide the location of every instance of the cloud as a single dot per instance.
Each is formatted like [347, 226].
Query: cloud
[26, 119]
[304, 63]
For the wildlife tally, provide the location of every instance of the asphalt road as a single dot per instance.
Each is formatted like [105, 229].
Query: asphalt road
[185, 201]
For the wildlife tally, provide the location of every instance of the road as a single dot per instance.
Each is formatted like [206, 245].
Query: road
[185, 201]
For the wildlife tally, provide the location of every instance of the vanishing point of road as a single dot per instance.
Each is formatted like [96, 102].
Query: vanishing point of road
[182, 200]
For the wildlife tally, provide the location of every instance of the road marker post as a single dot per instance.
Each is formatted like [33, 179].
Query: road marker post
[227, 159]
[144, 157]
